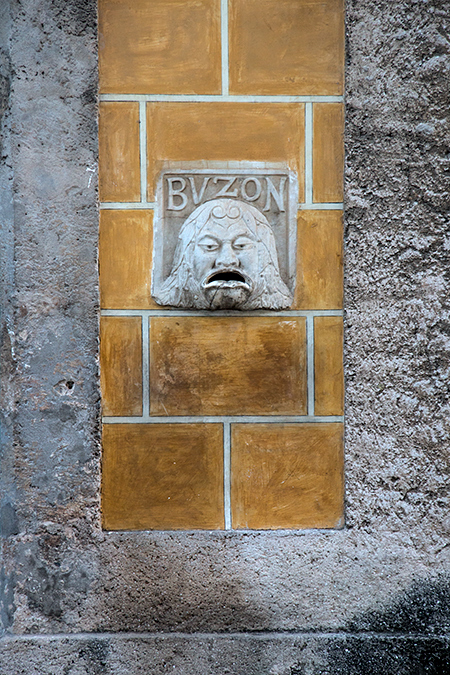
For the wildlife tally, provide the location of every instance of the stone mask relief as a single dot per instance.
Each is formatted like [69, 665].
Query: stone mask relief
[225, 254]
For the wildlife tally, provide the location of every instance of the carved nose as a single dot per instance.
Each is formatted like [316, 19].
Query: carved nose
[227, 257]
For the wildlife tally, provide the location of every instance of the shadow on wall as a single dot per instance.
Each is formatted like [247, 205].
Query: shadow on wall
[181, 589]
[414, 636]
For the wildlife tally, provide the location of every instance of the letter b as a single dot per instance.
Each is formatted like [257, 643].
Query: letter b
[176, 192]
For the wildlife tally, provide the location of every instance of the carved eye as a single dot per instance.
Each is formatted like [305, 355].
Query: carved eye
[242, 244]
[208, 245]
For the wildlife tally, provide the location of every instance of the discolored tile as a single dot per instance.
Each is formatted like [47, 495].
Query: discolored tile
[287, 476]
[121, 365]
[227, 366]
[162, 476]
[159, 47]
[125, 259]
[119, 168]
[319, 260]
[328, 152]
[286, 47]
[328, 365]
[191, 132]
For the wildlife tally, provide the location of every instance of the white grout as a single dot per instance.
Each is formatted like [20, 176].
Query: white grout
[143, 149]
[128, 206]
[229, 419]
[308, 153]
[310, 363]
[145, 367]
[225, 47]
[332, 206]
[209, 98]
[221, 313]
[227, 474]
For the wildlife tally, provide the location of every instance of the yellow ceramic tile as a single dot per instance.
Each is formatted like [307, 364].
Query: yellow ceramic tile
[286, 46]
[189, 132]
[319, 260]
[119, 171]
[121, 365]
[125, 259]
[286, 476]
[328, 152]
[159, 46]
[162, 476]
[227, 366]
[328, 368]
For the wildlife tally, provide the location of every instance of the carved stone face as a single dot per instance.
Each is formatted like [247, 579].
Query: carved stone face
[226, 259]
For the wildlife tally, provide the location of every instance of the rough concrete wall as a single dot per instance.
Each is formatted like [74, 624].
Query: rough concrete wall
[371, 598]
[52, 454]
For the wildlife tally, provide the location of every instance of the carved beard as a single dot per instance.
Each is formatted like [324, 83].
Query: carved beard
[226, 297]
[183, 290]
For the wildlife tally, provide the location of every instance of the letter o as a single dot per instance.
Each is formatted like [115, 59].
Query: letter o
[244, 193]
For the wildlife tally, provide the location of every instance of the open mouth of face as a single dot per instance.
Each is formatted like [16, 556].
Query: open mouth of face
[227, 279]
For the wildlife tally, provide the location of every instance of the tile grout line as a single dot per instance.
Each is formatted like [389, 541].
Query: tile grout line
[225, 46]
[128, 205]
[227, 474]
[310, 363]
[229, 419]
[308, 153]
[207, 98]
[145, 366]
[322, 206]
[143, 149]
[225, 314]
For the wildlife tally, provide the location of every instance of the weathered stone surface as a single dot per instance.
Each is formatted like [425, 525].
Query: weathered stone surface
[387, 571]
[209, 654]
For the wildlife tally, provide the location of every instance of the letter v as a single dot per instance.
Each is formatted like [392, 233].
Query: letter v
[197, 197]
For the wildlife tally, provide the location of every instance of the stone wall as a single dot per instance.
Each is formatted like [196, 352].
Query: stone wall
[372, 597]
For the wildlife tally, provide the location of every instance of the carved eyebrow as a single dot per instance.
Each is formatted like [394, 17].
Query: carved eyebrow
[242, 236]
[209, 236]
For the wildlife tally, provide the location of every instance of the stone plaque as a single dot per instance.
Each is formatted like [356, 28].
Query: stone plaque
[225, 238]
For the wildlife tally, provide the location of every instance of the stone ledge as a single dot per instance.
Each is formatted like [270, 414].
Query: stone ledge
[225, 654]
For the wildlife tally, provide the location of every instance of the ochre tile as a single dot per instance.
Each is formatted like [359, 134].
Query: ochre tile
[319, 260]
[227, 366]
[286, 46]
[125, 259]
[119, 170]
[286, 476]
[328, 367]
[328, 152]
[121, 365]
[159, 46]
[162, 476]
[189, 132]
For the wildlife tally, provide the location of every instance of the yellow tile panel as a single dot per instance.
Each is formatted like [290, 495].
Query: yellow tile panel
[227, 366]
[319, 260]
[125, 259]
[159, 46]
[190, 132]
[121, 365]
[286, 47]
[328, 366]
[328, 152]
[162, 476]
[286, 476]
[119, 170]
